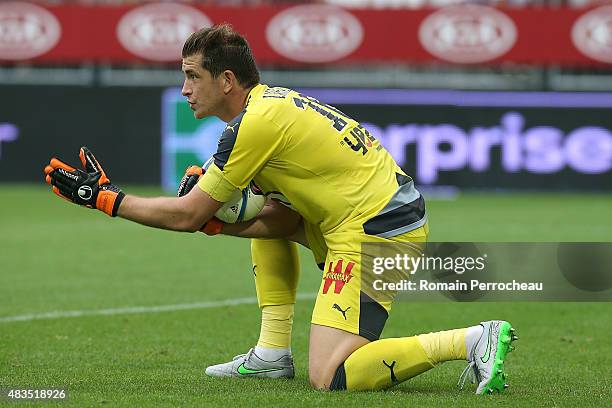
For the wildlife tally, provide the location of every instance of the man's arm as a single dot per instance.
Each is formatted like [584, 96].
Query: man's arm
[187, 213]
[90, 187]
[274, 221]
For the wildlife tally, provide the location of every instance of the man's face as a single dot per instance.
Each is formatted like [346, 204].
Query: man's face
[204, 93]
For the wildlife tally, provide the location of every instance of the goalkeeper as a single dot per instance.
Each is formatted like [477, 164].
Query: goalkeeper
[291, 145]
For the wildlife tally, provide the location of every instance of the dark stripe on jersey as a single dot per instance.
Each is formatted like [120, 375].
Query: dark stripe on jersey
[402, 179]
[403, 216]
[227, 141]
[404, 212]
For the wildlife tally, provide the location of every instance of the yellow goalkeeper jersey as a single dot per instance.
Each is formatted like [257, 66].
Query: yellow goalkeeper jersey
[316, 159]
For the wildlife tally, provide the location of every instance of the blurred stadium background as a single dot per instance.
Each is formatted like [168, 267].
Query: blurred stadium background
[464, 94]
[502, 111]
[482, 94]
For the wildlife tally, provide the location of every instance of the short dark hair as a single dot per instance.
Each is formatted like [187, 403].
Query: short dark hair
[222, 48]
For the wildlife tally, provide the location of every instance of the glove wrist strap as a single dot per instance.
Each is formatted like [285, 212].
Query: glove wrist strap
[117, 203]
[109, 200]
[213, 227]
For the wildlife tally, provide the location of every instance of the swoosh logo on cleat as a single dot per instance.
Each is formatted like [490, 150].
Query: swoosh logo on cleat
[487, 354]
[247, 371]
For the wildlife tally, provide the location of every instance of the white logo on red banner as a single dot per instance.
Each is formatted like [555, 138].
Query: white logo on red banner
[592, 34]
[26, 31]
[467, 34]
[157, 31]
[314, 33]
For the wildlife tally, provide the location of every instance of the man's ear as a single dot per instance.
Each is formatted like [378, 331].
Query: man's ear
[229, 81]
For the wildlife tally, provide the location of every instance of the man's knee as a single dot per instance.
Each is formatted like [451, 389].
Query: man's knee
[329, 348]
[320, 381]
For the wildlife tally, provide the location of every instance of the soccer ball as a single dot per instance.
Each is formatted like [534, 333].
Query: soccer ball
[243, 205]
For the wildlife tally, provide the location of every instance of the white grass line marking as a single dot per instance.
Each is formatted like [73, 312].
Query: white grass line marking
[141, 309]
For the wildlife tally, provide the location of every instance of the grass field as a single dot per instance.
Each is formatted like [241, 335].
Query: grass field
[55, 257]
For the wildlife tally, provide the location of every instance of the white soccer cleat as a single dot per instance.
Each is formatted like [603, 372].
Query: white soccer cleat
[486, 358]
[251, 365]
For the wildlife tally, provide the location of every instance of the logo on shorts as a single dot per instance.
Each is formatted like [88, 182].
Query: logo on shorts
[338, 308]
[337, 276]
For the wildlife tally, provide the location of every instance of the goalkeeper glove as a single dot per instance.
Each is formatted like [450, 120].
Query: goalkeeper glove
[189, 180]
[90, 187]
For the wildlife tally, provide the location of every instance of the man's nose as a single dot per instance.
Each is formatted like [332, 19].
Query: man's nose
[185, 91]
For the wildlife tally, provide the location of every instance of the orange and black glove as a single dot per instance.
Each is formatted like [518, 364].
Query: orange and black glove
[189, 180]
[89, 187]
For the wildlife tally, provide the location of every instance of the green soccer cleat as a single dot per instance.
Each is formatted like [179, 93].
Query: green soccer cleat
[486, 359]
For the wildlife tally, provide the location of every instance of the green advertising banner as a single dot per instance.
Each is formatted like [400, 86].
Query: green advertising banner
[185, 139]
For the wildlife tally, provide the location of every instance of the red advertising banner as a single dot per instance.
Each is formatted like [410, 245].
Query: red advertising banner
[310, 34]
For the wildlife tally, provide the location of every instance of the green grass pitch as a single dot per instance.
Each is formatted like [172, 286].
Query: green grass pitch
[57, 257]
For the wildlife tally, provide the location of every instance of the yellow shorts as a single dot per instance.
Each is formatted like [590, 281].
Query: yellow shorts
[346, 299]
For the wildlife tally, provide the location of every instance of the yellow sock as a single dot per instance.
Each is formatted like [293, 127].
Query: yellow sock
[276, 265]
[445, 345]
[277, 269]
[276, 325]
[385, 362]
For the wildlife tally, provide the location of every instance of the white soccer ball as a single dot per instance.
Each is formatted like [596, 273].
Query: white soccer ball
[243, 205]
